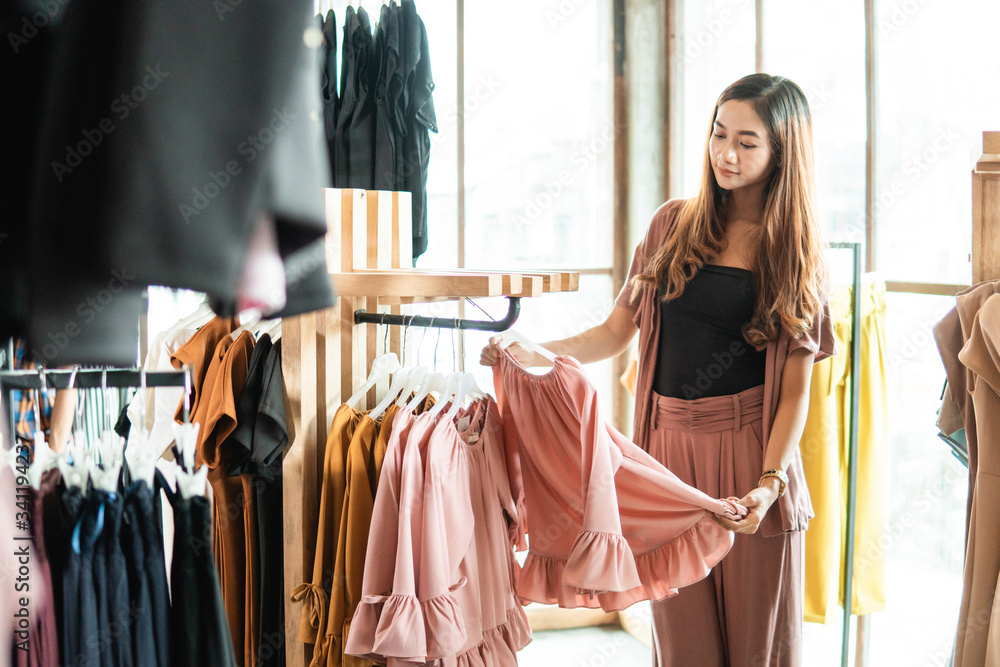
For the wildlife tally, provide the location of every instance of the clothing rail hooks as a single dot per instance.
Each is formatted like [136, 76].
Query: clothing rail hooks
[513, 310]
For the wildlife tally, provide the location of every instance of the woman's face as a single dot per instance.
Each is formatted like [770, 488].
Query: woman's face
[740, 147]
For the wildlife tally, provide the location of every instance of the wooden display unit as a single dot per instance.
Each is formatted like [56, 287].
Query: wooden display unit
[326, 356]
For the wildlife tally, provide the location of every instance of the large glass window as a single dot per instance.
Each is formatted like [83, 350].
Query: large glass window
[539, 135]
[935, 98]
[835, 88]
[717, 48]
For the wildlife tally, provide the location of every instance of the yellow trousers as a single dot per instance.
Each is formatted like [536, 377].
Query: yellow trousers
[824, 458]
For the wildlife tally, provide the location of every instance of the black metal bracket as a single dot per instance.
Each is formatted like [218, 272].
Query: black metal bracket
[513, 310]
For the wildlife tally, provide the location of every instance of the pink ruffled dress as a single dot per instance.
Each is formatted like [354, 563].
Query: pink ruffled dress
[440, 569]
[607, 525]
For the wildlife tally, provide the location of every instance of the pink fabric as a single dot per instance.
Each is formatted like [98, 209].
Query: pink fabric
[794, 509]
[607, 525]
[440, 569]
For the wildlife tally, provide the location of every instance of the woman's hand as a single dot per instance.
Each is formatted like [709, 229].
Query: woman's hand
[490, 356]
[757, 502]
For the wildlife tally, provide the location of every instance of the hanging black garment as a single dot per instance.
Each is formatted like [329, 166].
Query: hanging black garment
[23, 68]
[146, 174]
[198, 621]
[270, 440]
[147, 502]
[260, 436]
[144, 646]
[57, 525]
[331, 100]
[388, 87]
[348, 99]
[362, 130]
[81, 639]
[419, 118]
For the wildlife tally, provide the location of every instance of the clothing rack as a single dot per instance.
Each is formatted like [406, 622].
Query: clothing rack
[513, 310]
[326, 354]
[28, 379]
[852, 443]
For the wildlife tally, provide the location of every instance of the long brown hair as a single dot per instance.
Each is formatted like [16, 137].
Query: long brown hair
[788, 268]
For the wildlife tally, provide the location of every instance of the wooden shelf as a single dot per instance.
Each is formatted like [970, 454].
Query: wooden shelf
[405, 286]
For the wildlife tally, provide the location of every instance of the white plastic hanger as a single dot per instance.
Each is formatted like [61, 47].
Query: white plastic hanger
[189, 484]
[44, 459]
[467, 386]
[381, 368]
[202, 314]
[73, 466]
[186, 441]
[248, 321]
[433, 382]
[105, 473]
[140, 458]
[513, 336]
[413, 380]
[450, 390]
[398, 382]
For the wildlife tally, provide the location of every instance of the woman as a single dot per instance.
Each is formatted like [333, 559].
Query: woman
[726, 293]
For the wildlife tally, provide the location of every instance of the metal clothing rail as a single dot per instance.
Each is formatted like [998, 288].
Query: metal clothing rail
[92, 379]
[852, 442]
[496, 326]
[29, 379]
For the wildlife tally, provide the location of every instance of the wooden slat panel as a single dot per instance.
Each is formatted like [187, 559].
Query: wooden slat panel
[985, 226]
[293, 463]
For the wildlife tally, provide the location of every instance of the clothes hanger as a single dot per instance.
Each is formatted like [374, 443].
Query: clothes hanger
[412, 382]
[104, 472]
[74, 469]
[43, 458]
[185, 443]
[381, 368]
[451, 383]
[513, 336]
[467, 386]
[141, 460]
[434, 381]
[252, 318]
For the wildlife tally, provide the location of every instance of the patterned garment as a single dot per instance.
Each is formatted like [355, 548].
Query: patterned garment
[25, 402]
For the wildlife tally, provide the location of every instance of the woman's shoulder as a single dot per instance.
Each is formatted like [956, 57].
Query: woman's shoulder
[663, 219]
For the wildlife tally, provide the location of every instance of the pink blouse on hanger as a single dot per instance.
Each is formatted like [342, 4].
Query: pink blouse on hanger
[607, 524]
[439, 572]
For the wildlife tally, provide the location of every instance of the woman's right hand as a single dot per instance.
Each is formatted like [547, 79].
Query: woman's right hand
[490, 356]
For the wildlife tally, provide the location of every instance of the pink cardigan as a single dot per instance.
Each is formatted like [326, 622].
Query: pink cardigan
[794, 509]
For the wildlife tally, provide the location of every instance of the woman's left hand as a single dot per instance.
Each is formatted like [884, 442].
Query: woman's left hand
[757, 502]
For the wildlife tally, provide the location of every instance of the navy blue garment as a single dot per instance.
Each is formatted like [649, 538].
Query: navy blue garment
[148, 502]
[80, 633]
[134, 516]
[702, 349]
